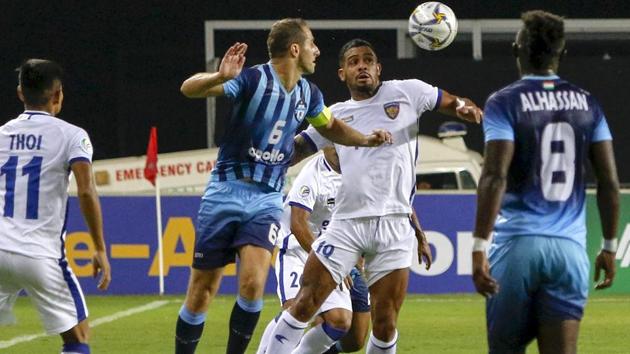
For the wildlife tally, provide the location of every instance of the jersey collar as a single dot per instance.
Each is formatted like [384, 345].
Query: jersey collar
[540, 77]
[36, 113]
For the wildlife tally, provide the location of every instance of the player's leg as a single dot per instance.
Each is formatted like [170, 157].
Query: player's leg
[387, 295]
[333, 256]
[7, 301]
[359, 294]
[75, 339]
[562, 296]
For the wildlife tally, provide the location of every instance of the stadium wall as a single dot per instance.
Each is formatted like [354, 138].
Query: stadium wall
[130, 230]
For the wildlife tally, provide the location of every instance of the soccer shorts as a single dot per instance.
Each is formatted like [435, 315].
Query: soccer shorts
[52, 286]
[233, 214]
[386, 242]
[289, 269]
[542, 280]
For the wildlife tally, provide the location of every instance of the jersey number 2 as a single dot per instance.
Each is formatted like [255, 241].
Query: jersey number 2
[557, 172]
[33, 169]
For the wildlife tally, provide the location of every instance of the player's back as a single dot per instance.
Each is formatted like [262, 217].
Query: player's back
[553, 124]
[36, 151]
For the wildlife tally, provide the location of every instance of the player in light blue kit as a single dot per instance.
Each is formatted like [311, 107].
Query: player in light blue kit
[539, 133]
[242, 205]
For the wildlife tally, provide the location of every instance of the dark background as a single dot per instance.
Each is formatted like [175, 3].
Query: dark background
[125, 61]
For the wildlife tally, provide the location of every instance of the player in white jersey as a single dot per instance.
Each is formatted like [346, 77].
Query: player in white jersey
[37, 154]
[308, 208]
[373, 213]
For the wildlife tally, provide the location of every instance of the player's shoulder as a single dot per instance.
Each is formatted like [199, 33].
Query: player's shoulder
[506, 92]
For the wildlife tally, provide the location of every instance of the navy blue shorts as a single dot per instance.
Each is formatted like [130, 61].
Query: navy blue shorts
[233, 214]
[359, 294]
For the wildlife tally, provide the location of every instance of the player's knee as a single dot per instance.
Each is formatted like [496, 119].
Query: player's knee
[250, 287]
[384, 328]
[339, 319]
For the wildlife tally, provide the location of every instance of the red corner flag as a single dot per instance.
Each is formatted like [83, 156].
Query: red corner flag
[150, 168]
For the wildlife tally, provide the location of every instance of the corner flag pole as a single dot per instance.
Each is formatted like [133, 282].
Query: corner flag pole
[150, 173]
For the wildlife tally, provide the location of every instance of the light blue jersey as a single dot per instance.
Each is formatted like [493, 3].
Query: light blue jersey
[258, 141]
[552, 124]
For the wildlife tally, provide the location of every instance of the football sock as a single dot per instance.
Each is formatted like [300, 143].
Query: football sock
[188, 331]
[286, 335]
[335, 349]
[264, 340]
[319, 338]
[243, 320]
[75, 348]
[377, 346]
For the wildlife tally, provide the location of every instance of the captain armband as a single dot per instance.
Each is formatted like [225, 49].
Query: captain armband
[321, 119]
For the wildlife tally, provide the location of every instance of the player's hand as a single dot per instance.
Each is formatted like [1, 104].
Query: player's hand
[424, 251]
[485, 284]
[101, 265]
[378, 137]
[233, 61]
[467, 110]
[605, 261]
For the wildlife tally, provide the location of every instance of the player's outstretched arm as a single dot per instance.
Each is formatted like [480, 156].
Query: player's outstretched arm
[497, 158]
[91, 209]
[603, 160]
[339, 132]
[202, 85]
[424, 251]
[460, 107]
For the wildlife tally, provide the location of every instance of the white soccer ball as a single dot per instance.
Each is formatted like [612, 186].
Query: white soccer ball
[432, 25]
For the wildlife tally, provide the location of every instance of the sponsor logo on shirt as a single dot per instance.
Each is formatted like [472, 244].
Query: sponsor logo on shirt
[392, 109]
[347, 119]
[272, 156]
[330, 201]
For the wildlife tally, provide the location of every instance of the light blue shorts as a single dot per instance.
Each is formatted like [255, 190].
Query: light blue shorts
[541, 280]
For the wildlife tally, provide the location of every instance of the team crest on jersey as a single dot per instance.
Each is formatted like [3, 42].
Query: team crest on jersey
[86, 145]
[392, 109]
[300, 110]
[304, 191]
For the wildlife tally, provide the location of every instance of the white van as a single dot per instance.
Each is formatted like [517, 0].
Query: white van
[444, 164]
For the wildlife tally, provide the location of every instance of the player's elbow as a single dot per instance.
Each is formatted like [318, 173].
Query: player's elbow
[492, 182]
[187, 91]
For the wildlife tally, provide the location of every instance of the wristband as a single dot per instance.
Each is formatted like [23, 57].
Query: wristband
[610, 245]
[480, 244]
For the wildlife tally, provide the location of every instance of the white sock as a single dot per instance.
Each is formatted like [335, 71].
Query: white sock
[318, 339]
[377, 346]
[264, 340]
[286, 336]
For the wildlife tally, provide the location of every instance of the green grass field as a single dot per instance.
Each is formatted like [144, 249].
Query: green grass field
[428, 324]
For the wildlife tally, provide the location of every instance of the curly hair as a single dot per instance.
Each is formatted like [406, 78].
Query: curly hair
[543, 37]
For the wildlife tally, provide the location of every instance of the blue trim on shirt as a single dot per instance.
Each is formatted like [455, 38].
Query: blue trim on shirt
[301, 206]
[540, 77]
[438, 101]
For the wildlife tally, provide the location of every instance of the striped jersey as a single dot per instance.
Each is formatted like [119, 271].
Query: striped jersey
[552, 124]
[258, 141]
[36, 152]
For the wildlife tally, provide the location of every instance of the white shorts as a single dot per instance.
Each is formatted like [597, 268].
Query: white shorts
[289, 268]
[7, 301]
[52, 286]
[386, 242]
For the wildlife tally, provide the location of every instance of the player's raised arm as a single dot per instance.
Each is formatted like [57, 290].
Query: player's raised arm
[91, 209]
[202, 85]
[603, 161]
[339, 132]
[460, 107]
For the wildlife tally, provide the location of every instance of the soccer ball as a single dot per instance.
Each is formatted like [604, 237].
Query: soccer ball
[432, 25]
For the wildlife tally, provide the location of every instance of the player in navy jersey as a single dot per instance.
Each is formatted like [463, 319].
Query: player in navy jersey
[242, 204]
[540, 131]
[37, 154]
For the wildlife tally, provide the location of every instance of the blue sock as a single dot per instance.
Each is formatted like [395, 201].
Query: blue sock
[188, 331]
[243, 321]
[76, 348]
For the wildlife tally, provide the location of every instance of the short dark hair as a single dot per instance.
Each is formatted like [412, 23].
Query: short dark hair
[543, 37]
[36, 78]
[284, 33]
[353, 43]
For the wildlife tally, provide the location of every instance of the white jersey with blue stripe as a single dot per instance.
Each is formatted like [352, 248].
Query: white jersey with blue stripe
[258, 141]
[552, 124]
[36, 152]
[314, 190]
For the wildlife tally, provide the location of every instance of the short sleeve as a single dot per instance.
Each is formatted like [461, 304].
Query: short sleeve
[423, 96]
[234, 87]
[315, 139]
[303, 193]
[496, 121]
[316, 104]
[80, 147]
[601, 132]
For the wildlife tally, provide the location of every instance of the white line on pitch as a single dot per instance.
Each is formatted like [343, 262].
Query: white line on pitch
[480, 300]
[99, 321]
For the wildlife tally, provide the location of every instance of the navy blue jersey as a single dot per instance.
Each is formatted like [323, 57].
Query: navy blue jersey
[552, 123]
[259, 138]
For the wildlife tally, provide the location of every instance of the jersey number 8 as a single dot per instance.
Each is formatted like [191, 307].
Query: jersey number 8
[557, 172]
